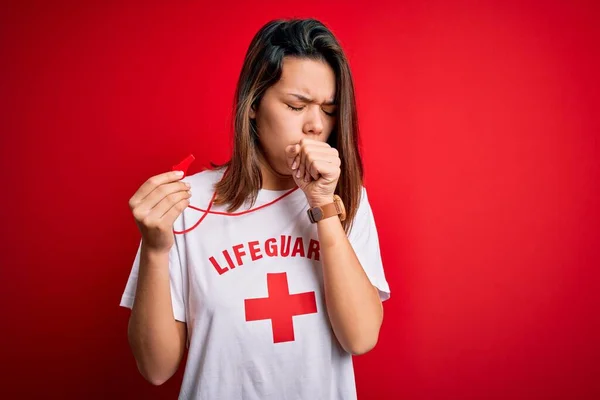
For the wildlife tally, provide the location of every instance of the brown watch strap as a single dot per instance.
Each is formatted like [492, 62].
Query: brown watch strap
[328, 210]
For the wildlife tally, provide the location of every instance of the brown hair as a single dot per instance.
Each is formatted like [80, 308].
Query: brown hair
[301, 38]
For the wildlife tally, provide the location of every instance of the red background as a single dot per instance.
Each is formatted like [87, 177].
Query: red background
[480, 132]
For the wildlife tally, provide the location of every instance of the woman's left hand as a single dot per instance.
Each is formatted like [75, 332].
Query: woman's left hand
[316, 170]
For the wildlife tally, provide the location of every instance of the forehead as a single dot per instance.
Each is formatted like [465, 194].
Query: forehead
[315, 79]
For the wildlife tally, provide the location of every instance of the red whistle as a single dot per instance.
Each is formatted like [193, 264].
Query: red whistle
[184, 165]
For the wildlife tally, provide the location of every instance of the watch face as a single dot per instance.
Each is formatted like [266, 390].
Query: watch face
[317, 214]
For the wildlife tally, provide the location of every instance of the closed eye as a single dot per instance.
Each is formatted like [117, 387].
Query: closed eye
[301, 108]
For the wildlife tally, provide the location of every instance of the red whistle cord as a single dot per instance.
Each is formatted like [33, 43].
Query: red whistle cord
[235, 214]
[184, 165]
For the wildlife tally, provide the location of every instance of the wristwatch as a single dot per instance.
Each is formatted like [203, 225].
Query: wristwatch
[317, 214]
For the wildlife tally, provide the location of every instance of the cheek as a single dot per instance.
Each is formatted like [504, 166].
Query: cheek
[270, 128]
[280, 128]
[270, 122]
[286, 123]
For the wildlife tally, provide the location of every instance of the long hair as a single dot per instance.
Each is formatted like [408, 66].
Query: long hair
[300, 38]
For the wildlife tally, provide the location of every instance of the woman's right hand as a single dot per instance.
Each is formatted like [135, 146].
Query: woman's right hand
[156, 205]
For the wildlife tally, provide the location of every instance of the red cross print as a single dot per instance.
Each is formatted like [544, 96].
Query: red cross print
[280, 307]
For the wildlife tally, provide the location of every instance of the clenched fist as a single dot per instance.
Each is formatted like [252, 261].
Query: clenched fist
[316, 170]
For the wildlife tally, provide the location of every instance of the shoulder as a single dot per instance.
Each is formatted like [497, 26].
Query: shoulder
[363, 200]
[363, 192]
[364, 204]
[204, 179]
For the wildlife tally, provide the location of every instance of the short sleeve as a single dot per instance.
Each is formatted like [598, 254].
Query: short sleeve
[365, 242]
[176, 277]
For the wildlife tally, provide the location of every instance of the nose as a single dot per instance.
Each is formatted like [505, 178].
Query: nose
[313, 125]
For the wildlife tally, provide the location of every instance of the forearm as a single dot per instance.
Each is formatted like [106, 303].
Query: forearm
[353, 303]
[153, 332]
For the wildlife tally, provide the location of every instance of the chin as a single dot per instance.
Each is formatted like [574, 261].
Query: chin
[284, 172]
[280, 169]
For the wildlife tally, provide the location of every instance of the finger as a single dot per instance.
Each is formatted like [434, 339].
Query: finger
[326, 170]
[318, 143]
[301, 164]
[308, 146]
[175, 211]
[160, 192]
[307, 150]
[314, 170]
[333, 158]
[312, 153]
[291, 152]
[306, 171]
[311, 158]
[151, 184]
[334, 153]
[165, 205]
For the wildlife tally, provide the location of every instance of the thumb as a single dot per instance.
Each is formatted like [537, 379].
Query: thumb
[290, 154]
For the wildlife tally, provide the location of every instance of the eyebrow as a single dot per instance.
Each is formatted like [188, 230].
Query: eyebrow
[309, 100]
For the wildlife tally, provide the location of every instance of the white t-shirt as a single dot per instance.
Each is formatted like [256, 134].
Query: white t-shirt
[250, 289]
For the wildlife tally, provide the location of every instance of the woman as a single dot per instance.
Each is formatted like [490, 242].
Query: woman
[273, 278]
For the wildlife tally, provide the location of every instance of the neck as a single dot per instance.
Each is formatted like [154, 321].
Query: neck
[273, 180]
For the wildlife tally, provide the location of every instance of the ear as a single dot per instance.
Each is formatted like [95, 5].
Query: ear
[252, 112]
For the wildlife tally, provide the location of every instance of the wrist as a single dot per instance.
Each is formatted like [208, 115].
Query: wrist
[320, 202]
[152, 252]
[325, 208]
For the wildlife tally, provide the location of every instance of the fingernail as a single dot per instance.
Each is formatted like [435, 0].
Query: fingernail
[187, 184]
[294, 165]
[179, 173]
[298, 174]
